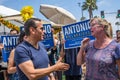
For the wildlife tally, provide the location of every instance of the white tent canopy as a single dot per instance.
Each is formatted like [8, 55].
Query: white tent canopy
[9, 14]
[14, 17]
[5, 11]
[57, 14]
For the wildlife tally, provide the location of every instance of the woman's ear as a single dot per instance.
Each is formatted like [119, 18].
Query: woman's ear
[105, 27]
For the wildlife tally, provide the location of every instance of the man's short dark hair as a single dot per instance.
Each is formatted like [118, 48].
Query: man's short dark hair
[30, 23]
[117, 31]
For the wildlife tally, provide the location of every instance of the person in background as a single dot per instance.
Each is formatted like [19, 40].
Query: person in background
[53, 57]
[118, 36]
[1, 72]
[102, 54]
[14, 32]
[11, 64]
[54, 54]
[31, 56]
[1, 47]
[74, 72]
[69, 55]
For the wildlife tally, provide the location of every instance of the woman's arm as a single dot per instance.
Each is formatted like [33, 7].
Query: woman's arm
[11, 67]
[81, 53]
[81, 57]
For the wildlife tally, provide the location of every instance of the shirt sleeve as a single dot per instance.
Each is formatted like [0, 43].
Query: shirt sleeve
[21, 55]
[117, 52]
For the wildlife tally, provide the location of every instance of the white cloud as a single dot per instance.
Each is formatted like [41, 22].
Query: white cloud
[100, 3]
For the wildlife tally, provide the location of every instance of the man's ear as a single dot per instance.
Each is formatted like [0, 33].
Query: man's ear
[32, 30]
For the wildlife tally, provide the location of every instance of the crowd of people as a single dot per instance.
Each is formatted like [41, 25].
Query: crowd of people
[30, 60]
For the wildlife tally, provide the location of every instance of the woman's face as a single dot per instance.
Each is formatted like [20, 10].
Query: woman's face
[95, 28]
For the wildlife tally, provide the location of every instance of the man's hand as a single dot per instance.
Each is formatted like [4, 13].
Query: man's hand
[59, 66]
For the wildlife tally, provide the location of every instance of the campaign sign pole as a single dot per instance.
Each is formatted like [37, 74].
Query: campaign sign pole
[74, 33]
[9, 43]
[48, 37]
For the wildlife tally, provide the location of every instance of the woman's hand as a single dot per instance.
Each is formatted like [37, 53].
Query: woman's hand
[84, 43]
[81, 54]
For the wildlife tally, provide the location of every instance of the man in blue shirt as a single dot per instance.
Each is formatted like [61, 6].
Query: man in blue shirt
[31, 56]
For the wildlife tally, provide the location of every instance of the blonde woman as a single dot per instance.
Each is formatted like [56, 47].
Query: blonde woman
[102, 54]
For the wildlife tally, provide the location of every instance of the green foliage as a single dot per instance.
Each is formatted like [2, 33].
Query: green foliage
[90, 5]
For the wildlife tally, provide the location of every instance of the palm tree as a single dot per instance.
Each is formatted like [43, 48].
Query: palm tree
[90, 5]
[96, 16]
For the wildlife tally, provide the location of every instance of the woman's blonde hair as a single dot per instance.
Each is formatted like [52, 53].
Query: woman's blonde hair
[106, 24]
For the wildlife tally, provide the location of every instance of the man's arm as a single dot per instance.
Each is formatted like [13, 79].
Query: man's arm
[33, 74]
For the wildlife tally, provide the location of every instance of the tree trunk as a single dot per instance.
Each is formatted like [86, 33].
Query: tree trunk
[90, 14]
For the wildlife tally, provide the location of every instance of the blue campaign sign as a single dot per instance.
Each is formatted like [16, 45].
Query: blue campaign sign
[21, 28]
[74, 33]
[48, 38]
[9, 43]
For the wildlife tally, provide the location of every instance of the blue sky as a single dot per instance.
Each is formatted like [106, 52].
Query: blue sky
[70, 5]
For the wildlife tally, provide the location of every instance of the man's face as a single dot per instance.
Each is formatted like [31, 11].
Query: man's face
[14, 32]
[118, 34]
[39, 30]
